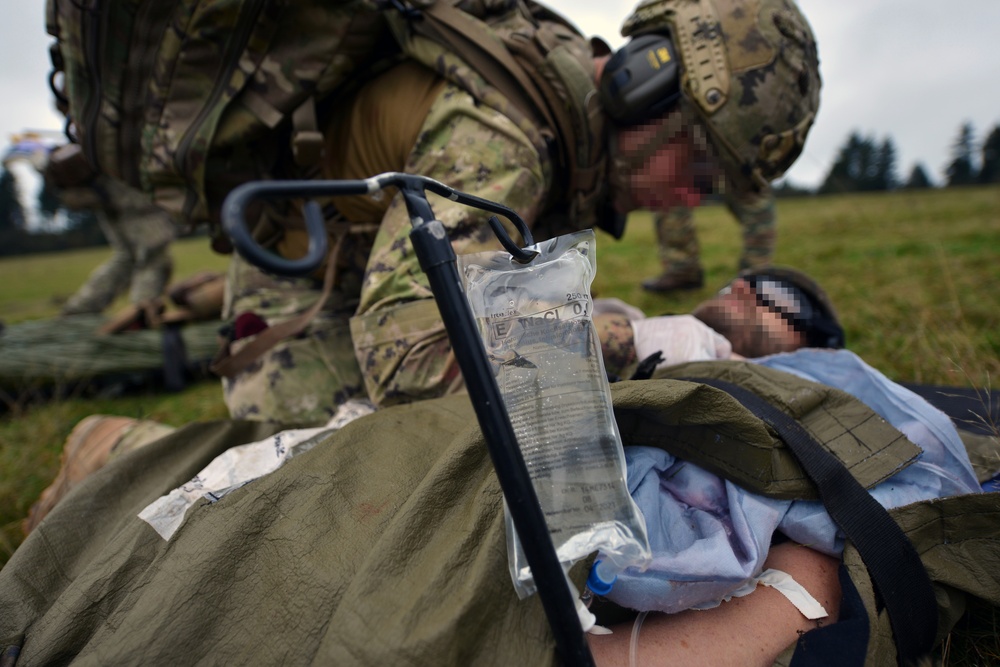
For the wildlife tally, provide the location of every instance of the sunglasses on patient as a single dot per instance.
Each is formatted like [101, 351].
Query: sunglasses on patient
[781, 297]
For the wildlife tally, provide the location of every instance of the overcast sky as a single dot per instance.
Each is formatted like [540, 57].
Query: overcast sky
[914, 70]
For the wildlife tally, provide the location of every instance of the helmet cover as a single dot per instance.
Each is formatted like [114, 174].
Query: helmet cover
[751, 72]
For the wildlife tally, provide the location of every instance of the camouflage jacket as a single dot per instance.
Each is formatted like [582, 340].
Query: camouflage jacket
[398, 336]
[379, 335]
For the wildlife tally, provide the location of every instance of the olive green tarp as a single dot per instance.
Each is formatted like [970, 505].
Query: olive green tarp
[68, 350]
[384, 545]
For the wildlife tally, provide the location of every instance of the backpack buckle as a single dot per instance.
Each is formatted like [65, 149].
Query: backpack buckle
[307, 147]
[307, 140]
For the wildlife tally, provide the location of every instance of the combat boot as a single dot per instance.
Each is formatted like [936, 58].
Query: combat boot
[93, 441]
[674, 280]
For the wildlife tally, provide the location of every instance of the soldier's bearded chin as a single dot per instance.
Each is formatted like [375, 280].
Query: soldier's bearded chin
[732, 323]
[743, 328]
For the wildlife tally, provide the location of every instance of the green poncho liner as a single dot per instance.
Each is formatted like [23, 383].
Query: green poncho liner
[384, 544]
[66, 350]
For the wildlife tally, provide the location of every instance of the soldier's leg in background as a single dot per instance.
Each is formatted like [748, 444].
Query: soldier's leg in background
[303, 378]
[756, 216]
[679, 252]
[109, 279]
[151, 273]
[148, 231]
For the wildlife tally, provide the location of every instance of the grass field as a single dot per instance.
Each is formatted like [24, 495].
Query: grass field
[915, 277]
[34, 286]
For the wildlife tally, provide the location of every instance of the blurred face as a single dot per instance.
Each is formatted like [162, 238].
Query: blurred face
[646, 177]
[755, 330]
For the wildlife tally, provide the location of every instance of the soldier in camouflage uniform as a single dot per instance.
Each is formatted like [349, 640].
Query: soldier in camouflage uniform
[139, 234]
[378, 334]
[678, 240]
[381, 316]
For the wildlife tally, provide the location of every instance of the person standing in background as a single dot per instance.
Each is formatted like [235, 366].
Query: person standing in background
[138, 232]
[679, 248]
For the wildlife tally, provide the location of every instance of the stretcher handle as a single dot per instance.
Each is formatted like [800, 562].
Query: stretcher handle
[237, 203]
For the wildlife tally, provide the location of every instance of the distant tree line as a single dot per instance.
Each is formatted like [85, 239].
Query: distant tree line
[862, 164]
[964, 168]
[867, 164]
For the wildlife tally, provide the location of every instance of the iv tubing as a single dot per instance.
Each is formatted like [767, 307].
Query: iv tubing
[633, 646]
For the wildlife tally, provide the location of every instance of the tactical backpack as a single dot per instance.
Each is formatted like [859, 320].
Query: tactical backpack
[185, 99]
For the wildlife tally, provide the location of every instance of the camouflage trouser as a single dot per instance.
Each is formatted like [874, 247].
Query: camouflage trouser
[139, 234]
[679, 250]
[302, 379]
[678, 241]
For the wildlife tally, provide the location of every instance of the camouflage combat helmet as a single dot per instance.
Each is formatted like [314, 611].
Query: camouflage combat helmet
[751, 72]
[823, 329]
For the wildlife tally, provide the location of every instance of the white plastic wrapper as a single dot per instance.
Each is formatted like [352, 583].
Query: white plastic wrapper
[238, 466]
[535, 322]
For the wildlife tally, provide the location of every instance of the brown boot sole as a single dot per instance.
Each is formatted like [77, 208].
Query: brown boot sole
[87, 449]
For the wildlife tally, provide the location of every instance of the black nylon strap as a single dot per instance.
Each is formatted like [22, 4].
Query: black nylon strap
[900, 579]
[846, 640]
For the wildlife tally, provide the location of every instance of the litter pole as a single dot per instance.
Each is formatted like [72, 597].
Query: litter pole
[437, 259]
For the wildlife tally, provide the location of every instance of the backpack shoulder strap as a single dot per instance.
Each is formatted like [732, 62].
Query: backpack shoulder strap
[469, 38]
[531, 56]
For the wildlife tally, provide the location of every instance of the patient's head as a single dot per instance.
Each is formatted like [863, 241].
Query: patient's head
[770, 310]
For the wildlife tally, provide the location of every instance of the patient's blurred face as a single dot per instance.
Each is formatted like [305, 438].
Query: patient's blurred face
[754, 330]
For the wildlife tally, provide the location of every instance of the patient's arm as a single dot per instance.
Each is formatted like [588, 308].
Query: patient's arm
[752, 630]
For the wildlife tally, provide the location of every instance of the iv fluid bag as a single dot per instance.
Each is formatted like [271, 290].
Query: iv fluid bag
[535, 322]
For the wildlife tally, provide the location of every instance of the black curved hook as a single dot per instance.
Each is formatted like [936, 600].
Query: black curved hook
[413, 187]
[234, 223]
[520, 254]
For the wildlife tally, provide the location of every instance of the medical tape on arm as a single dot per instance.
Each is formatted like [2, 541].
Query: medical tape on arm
[794, 592]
